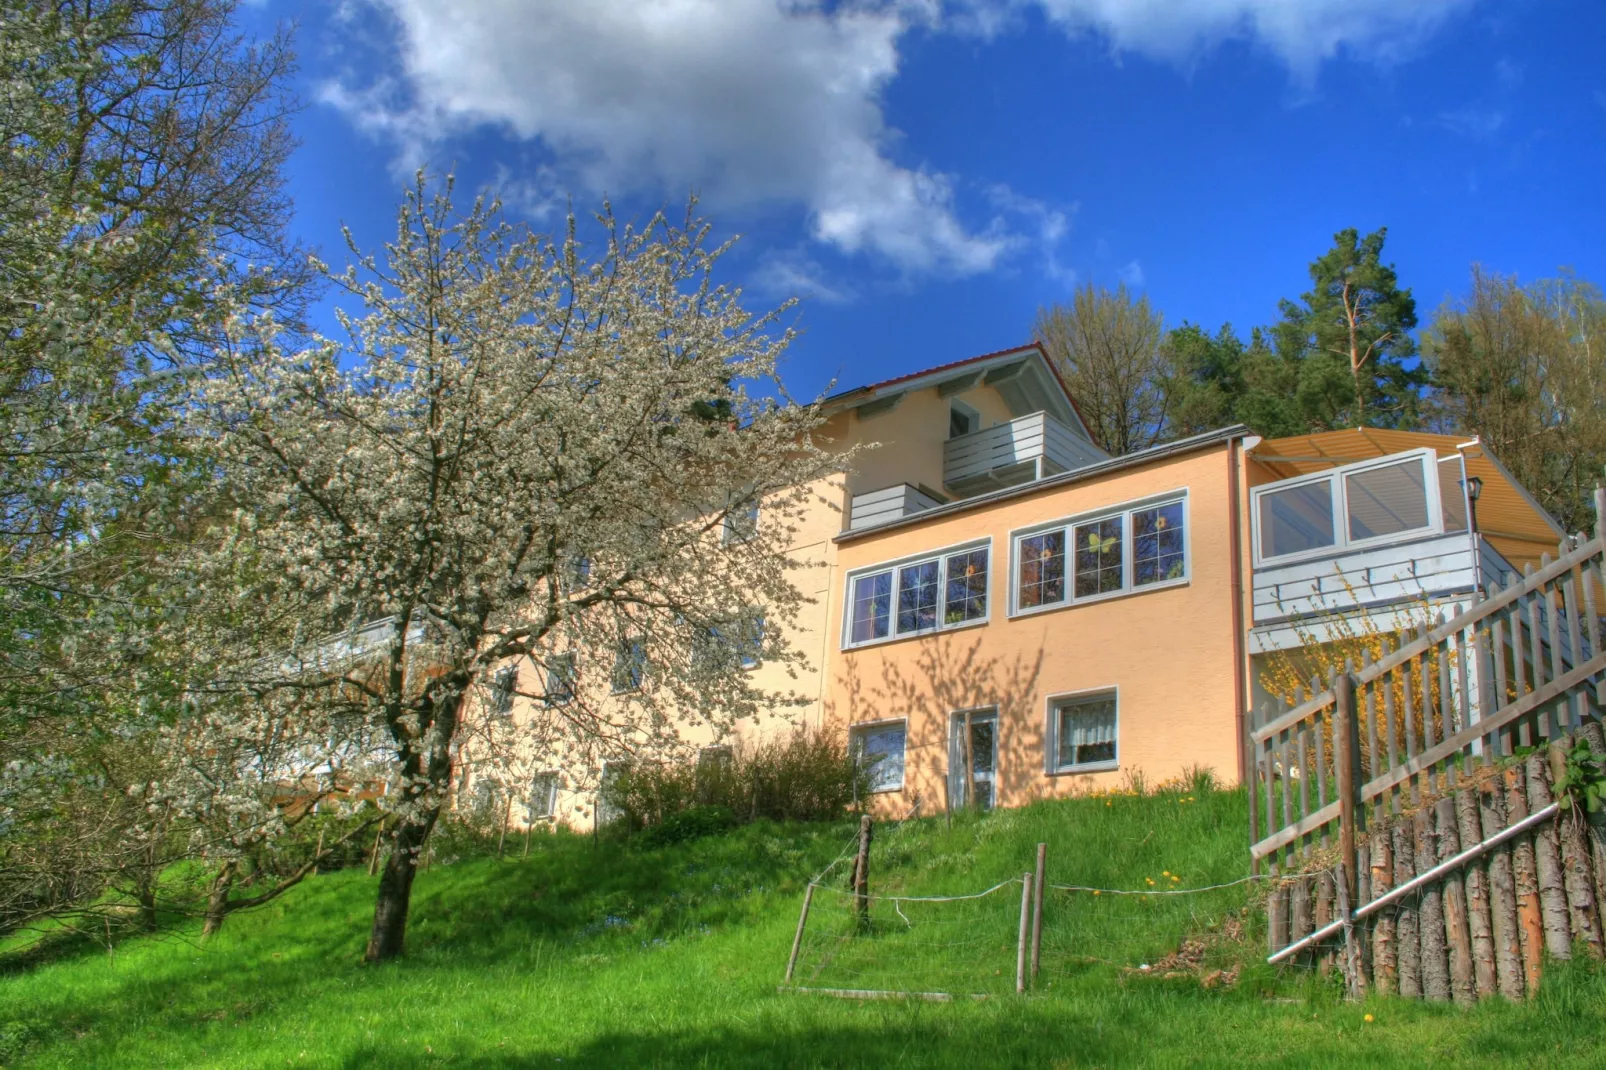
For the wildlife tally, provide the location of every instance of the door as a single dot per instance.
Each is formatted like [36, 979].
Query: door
[983, 738]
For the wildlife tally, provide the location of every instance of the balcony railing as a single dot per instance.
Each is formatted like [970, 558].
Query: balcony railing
[1026, 448]
[882, 506]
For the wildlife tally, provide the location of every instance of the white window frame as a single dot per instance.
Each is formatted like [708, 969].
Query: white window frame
[971, 414]
[894, 567]
[1051, 733]
[1180, 496]
[549, 665]
[504, 686]
[629, 642]
[551, 811]
[856, 732]
[738, 531]
[1337, 480]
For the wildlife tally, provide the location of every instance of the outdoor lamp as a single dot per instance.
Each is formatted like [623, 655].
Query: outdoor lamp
[1474, 488]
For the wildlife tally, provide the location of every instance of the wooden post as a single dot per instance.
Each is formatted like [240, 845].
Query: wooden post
[797, 938]
[1577, 877]
[529, 827]
[317, 854]
[1347, 745]
[373, 858]
[1037, 908]
[947, 801]
[861, 871]
[1547, 863]
[1530, 924]
[507, 816]
[1408, 943]
[1354, 974]
[1479, 926]
[1385, 964]
[1435, 968]
[1325, 880]
[1025, 926]
[970, 768]
[1299, 925]
[1458, 942]
[1502, 895]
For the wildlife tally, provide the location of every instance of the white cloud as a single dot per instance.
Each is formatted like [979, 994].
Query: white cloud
[1302, 33]
[1132, 274]
[796, 274]
[770, 104]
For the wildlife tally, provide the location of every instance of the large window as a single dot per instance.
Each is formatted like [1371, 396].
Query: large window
[879, 749]
[944, 590]
[1106, 554]
[1397, 497]
[543, 795]
[1083, 727]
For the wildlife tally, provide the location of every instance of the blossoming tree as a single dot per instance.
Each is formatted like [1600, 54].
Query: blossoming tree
[524, 450]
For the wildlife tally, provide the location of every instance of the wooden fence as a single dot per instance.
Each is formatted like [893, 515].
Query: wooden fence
[1395, 757]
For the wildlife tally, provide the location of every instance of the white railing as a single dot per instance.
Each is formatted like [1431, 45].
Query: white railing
[883, 506]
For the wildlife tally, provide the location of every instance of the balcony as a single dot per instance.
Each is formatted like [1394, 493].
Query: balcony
[1026, 448]
[883, 506]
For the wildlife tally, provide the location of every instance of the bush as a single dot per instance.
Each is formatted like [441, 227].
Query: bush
[802, 777]
[689, 824]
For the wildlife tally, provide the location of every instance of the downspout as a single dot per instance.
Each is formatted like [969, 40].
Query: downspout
[1240, 667]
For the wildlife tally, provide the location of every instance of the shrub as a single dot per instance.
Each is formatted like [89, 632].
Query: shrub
[802, 777]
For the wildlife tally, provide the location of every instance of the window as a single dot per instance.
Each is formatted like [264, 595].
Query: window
[1042, 569]
[942, 591]
[1398, 497]
[1157, 544]
[879, 747]
[741, 522]
[1113, 552]
[1296, 519]
[502, 691]
[1098, 557]
[738, 640]
[629, 665]
[543, 795]
[1386, 500]
[579, 571]
[962, 419]
[1084, 731]
[560, 679]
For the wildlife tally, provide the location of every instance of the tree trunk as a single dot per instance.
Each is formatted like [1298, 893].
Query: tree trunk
[1479, 927]
[1573, 838]
[389, 932]
[1547, 862]
[1502, 896]
[217, 899]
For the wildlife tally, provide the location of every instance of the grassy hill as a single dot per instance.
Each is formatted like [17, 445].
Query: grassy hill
[622, 955]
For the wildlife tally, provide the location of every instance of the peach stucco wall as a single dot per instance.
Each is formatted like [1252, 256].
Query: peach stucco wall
[1170, 652]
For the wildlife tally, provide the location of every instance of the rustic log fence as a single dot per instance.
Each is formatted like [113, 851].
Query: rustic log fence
[1408, 805]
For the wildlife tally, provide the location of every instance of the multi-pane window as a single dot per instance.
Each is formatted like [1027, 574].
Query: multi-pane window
[1108, 554]
[738, 640]
[1404, 496]
[1157, 544]
[965, 598]
[922, 596]
[543, 795]
[879, 748]
[1042, 569]
[1098, 557]
[502, 691]
[560, 678]
[1084, 729]
[629, 665]
[917, 597]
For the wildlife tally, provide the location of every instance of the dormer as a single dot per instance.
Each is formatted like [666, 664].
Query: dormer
[959, 430]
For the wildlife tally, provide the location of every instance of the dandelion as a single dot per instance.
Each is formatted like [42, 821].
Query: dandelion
[1095, 891]
[1165, 873]
[1368, 1018]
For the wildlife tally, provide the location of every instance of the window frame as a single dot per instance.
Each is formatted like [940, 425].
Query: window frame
[894, 569]
[1068, 526]
[1052, 706]
[733, 530]
[623, 657]
[549, 664]
[858, 729]
[1337, 480]
[504, 687]
[551, 812]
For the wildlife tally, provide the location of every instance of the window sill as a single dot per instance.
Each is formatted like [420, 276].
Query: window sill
[1093, 600]
[927, 634]
[891, 790]
[1090, 767]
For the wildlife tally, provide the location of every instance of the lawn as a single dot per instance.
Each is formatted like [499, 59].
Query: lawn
[616, 954]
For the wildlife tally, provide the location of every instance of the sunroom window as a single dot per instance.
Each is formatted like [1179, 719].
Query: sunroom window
[1361, 503]
[1386, 500]
[1296, 519]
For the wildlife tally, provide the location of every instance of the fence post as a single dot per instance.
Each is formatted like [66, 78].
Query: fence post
[861, 871]
[797, 940]
[1252, 783]
[1347, 747]
[1020, 944]
[1037, 909]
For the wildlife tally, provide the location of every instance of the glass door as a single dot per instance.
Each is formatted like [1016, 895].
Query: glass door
[980, 729]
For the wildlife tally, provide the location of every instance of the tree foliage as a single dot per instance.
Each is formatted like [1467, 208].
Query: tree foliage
[1106, 345]
[508, 406]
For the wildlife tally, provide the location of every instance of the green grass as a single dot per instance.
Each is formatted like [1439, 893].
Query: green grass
[621, 956]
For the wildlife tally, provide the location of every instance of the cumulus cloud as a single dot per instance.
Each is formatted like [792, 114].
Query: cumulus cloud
[769, 104]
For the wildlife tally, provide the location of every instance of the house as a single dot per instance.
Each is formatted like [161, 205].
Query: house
[1003, 612]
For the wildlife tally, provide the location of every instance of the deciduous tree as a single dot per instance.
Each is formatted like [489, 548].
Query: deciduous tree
[1107, 347]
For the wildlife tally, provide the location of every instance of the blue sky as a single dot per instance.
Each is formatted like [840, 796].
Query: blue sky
[926, 173]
